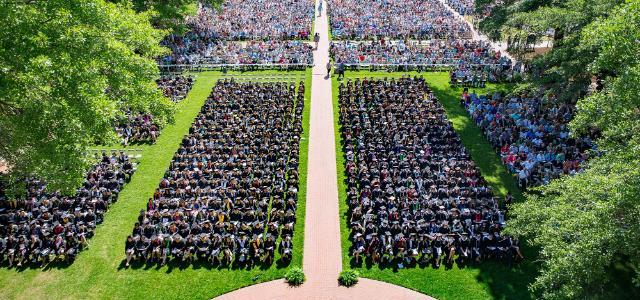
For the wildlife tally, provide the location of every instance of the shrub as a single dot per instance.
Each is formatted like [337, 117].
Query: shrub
[295, 276]
[348, 277]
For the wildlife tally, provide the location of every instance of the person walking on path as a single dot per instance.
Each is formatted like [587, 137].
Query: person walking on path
[316, 39]
[320, 9]
[328, 69]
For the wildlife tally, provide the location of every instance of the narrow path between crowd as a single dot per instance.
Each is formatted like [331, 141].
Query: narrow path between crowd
[322, 260]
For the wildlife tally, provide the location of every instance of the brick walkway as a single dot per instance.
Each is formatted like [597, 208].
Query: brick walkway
[322, 251]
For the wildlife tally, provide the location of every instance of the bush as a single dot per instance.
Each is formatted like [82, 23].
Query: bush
[295, 276]
[348, 277]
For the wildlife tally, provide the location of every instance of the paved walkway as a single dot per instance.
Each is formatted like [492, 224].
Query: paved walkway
[322, 251]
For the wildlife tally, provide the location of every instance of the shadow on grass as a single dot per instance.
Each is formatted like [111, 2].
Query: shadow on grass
[504, 282]
[201, 264]
[474, 141]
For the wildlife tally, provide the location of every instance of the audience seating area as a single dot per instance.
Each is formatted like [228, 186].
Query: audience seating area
[463, 7]
[137, 128]
[190, 49]
[531, 134]
[415, 196]
[451, 52]
[46, 226]
[230, 194]
[401, 19]
[246, 33]
[414, 36]
[478, 75]
[176, 87]
[255, 20]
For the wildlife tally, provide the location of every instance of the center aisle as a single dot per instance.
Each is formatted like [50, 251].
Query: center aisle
[322, 250]
[322, 260]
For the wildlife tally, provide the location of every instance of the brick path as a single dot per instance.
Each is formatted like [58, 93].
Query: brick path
[322, 251]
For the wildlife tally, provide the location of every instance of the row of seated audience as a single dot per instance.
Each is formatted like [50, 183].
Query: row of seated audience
[255, 20]
[135, 128]
[531, 134]
[191, 49]
[175, 88]
[468, 52]
[479, 75]
[411, 19]
[489, 8]
[414, 194]
[463, 7]
[272, 32]
[46, 226]
[231, 190]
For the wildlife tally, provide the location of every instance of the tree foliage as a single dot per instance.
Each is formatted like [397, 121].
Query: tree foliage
[564, 70]
[67, 68]
[588, 225]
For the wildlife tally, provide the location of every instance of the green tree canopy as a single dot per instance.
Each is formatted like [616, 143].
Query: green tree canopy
[588, 225]
[564, 70]
[67, 68]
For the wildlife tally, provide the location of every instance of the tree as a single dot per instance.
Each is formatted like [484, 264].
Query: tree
[588, 225]
[67, 69]
[563, 70]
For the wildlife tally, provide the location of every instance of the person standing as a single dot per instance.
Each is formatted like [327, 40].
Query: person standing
[320, 9]
[328, 69]
[316, 39]
[340, 71]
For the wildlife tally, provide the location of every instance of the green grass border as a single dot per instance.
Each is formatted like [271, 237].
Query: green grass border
[97, 272]
[489, 279]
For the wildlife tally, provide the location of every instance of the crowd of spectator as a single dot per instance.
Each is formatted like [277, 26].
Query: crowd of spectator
[456, 52]
[463, 7]
[191, 49]
[175, 88]
[231, 191]
[478, 75]
[489, 8]
[415, 196]
[255, 20]
[47, 226]
[245, 33]
[135, 128]
[531, 134]
[406, 19]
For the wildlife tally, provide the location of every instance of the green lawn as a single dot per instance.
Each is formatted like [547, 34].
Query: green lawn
[98, 271]
[485, 281]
